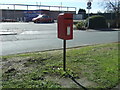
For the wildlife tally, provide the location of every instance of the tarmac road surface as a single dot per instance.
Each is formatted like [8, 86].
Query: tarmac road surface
[39, 37]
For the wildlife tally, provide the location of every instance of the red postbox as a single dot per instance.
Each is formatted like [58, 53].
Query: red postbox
[65, 26]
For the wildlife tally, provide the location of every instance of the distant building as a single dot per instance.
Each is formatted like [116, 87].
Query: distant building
[78, 16]
[27, 15]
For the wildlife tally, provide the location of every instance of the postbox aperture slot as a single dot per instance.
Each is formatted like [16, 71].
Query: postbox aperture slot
[69, 18]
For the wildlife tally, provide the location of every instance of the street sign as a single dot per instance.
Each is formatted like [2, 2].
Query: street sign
[89, 4]
[88, 7]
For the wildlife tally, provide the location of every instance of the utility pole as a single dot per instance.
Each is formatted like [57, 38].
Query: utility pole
[36, 5]
[14, 12]
[61, 6]
[39, 5]
[89, 7]
[7, 12]
[27, 7]
[75, 9]
[88, 18]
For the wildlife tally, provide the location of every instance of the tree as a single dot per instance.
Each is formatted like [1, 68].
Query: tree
[99, 11]
[114, 6]
[81, 11]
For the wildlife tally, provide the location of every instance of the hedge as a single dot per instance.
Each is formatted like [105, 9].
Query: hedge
[96, 22]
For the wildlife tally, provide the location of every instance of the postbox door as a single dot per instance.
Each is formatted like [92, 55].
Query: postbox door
[65, 26]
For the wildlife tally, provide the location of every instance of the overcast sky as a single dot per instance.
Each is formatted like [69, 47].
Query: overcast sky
[70, 3]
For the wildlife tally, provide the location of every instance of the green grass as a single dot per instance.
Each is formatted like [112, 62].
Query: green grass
[98, 63]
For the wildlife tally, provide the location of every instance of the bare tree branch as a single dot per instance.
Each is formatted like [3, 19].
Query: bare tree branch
[113, 5]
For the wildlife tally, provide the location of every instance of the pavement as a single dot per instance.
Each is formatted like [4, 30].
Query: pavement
[8, 33]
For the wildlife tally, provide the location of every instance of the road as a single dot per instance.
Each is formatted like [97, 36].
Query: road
[39, 37]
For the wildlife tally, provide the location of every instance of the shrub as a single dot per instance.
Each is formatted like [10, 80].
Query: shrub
[80, 25]
[114, 24]
[96, 22]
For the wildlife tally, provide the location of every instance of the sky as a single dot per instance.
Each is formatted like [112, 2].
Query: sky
[69, 3]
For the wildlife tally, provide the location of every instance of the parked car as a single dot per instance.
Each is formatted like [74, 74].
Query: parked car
[42, 19]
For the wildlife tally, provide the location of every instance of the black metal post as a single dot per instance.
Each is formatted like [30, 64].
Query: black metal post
[64, 55]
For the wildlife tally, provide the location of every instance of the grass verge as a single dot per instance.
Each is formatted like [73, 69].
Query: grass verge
[97, 64]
